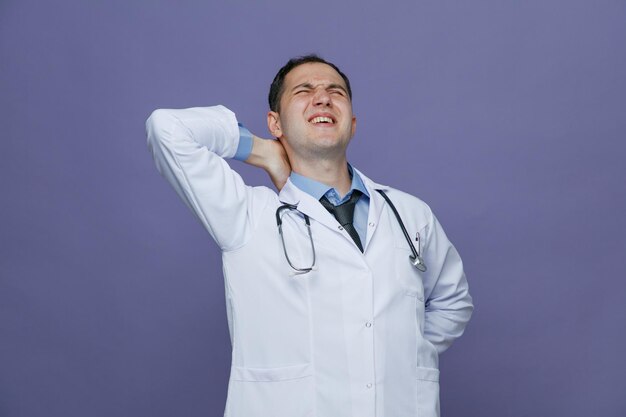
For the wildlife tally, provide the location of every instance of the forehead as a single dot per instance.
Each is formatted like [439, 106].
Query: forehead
[314, 73]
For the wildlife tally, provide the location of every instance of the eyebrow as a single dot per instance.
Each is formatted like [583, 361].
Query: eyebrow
[329, 86]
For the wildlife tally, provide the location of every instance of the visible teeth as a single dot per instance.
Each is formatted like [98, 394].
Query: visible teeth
[322, 120]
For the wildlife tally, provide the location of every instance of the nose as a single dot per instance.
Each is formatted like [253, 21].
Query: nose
[322, 98]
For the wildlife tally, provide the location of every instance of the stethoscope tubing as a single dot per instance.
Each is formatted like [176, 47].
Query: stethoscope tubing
[415, 258]
[279, 222]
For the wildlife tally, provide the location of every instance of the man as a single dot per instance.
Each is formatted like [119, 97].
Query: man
[328, 316]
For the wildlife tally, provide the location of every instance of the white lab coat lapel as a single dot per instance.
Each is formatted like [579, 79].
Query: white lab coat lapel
[377, 203]
[290, 194]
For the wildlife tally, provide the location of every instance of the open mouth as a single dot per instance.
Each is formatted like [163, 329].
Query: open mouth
[322, 120]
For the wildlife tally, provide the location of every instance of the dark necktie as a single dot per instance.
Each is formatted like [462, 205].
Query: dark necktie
[344, 214]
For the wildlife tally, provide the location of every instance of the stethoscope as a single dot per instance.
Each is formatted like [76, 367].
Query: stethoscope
[416, 260]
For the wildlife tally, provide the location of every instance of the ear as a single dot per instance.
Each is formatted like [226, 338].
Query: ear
[273, 124]
[353, 129]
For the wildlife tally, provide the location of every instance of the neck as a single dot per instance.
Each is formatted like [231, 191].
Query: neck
[331, 173]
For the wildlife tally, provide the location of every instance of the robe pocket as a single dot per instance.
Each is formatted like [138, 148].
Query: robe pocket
[286, 391]
[427, 392]
[283, 373]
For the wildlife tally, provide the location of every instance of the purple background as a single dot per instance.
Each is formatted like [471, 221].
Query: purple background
[507, 117]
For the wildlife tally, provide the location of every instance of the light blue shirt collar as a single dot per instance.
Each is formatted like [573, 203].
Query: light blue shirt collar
[317, 189]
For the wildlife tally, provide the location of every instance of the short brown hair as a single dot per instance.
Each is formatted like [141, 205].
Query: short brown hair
[276, 89]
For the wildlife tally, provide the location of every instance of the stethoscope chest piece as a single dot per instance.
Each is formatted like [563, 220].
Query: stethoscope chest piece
[418, 262]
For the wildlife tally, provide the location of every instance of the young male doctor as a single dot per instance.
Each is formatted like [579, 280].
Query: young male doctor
[330, 311]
